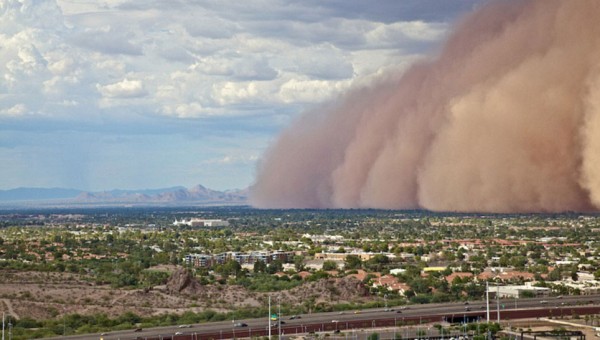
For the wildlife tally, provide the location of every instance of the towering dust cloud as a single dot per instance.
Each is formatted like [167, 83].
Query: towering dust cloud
[505, 119]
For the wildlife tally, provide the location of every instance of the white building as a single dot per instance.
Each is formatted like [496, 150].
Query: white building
[397, 271]
[200, 222]
[516, 291]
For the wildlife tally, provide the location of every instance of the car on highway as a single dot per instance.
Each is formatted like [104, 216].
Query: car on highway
[240, 324]
[178, 333]
[184, 326]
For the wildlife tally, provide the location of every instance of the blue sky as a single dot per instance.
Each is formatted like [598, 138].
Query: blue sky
[97, 95]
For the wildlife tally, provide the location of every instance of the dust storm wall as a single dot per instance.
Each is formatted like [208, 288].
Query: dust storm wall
[506, 118]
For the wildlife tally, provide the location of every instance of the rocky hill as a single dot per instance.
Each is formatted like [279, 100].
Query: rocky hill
[182, 281]
[197, 193]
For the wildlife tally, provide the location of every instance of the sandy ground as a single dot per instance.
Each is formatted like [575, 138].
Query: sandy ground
[46, 295]
[24, 297]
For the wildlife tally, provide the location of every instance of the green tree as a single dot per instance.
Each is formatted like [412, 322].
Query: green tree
[352, 262]
[275, 266]
[231, 267]
[373, 336]
[260, 266]
[329, 265]
[554, 275]
[299, 262]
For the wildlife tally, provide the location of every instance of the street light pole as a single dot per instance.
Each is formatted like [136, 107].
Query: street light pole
[442, 326]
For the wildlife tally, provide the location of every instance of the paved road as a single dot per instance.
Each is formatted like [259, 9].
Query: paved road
[358, 319]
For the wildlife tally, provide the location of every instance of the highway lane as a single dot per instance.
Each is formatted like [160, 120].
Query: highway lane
[332, 320]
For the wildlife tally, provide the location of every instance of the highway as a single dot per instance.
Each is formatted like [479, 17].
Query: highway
[379, 317]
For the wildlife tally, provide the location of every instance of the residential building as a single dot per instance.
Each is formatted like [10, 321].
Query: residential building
[518, 291]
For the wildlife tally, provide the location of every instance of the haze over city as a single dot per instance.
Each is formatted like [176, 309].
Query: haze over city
[134, 94]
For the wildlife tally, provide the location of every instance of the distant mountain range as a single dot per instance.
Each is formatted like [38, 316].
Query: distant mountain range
[167, 196]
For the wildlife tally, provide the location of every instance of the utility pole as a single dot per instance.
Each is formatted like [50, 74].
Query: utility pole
[498, 301]
[279, 315]
[2, 325]
[269, 317]
[487, 300]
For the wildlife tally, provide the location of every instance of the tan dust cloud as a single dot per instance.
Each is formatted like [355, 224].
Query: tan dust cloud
[505, 119]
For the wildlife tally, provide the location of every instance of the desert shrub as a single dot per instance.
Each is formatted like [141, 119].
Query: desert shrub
[26, 323]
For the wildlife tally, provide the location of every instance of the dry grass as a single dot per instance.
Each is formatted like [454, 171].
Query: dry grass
[46, 295]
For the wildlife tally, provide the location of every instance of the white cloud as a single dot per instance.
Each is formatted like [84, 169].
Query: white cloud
[195, 60]
[184, 110]
[310, 91]
[24, 62]
[235, 67]
[108, 40]
[389, 35]
[42, 14]
[233, 159]
[14, 111]
[123, 89]
[111, 67]
[235, 93]
[323, 61]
